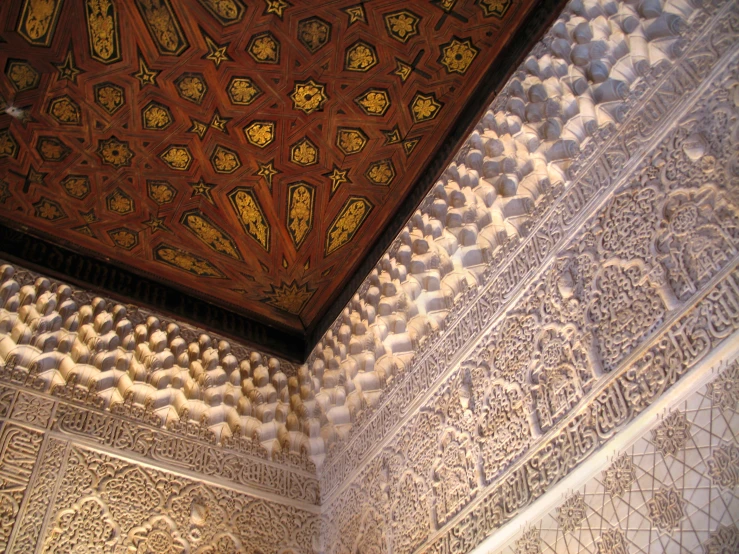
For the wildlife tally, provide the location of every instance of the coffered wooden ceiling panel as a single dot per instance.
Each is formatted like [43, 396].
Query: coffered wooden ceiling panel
[248, 153]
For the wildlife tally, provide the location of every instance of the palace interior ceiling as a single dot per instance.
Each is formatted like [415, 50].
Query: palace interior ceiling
[246, 154]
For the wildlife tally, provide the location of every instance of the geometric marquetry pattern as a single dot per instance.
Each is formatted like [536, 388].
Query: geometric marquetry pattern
[682, 502]
[162, 108]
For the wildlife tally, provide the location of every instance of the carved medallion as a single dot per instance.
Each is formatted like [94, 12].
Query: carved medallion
[381, 172]
[618, 478]
[48, 209]
[224, 160]
[723, 466]
[374, 102]
[308, 96]
[114, 152]
[264, 48]
[360, 56]
[177, 157]
[402, 25]
[571, 514]
[424, 107]
[314, 33]
[65, 111]
[119, 202]
[672, 434]
[191, 87]
[156, 116]
[124, 238]
[458, 55]
[304, 153]
[351, 141]
[76, 186]
[260, 133]
[109, 96]
[300, 199]
[666, 509]
[51, 149]
[21, 75]
[160, 192]
[242, 91]
[250, 214]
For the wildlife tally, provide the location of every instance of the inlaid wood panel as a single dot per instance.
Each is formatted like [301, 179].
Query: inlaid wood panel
[247, 152]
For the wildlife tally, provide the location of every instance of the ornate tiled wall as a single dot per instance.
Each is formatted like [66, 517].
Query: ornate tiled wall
[676, 489]
[62, 495]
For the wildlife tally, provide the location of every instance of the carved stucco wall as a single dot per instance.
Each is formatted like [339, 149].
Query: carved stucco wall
[576, 261]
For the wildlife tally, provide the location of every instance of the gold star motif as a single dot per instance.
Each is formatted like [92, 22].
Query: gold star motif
[267, 170]
[392, 136]
[219, 122]
[89, 217]
[216, 53]
[156, 224]
[409, 145]
[201, 188]
[338, 177]
[276, 7]
[402, 70]
[356, 13]
[145, 75]
[198, 127]
[68, 69]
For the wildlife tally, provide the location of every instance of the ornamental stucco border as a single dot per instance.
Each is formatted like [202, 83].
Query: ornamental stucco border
[665, 93]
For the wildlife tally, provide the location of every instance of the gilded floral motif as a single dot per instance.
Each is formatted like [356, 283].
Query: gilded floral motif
[571, 514]
[102, 30]
[119, 202]
[351, 141]
[290, 298]
[308, 96]
[260, 133]
[618, 478]
[381, 172]
[666, 509]
[177, 157]
[163, 26]
[210, 234]
[8, 145]
[724, 390]
[124, 238]
[672, 434]
[724, 540]
[227, 12]
[224, 160]
[77, 186]
[184, 260]
[360, 56]
[346, 224]
[402, 25]
[22, 75]
[109, 96]
[159, 535]
[457, 55]
[191, 87]
[38, 20]
[65, 111]
[723, 466]
[304, 153]
[52, 149]
[300, 197]
[373, 102]
[612, 541]
[494, 8]
[243, 91]
[156, 116]
[264, 48]
[160, 192]
[250, 214]
[314, 33]
[114, 152]
[48, 210]
[424, 107]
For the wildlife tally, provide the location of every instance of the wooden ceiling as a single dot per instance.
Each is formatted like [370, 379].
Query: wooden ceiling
[246, 153]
